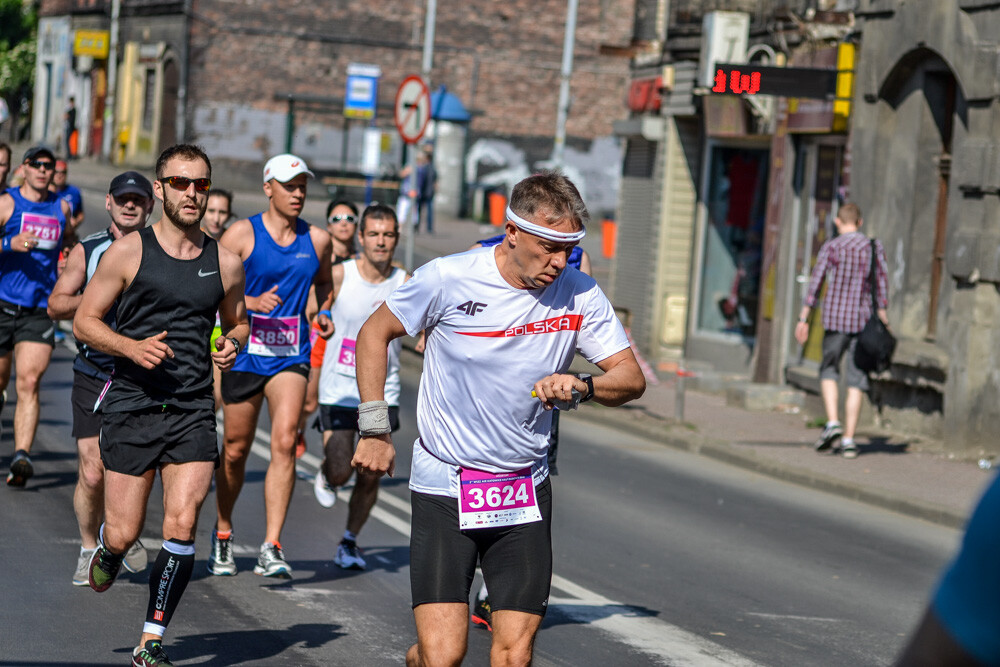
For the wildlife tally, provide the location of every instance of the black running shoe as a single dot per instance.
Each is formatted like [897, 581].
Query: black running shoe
[21, 469]
[151, 654]
[482, 613]
[104, 568]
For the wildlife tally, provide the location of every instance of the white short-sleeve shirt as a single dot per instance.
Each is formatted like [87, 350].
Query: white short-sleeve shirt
[487, 344]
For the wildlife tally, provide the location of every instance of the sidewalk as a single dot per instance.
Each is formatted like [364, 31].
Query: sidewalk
[891, 472]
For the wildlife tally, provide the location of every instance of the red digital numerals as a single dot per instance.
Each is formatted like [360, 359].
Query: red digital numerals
[739, 83]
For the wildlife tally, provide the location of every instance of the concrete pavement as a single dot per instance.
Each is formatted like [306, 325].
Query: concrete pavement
[901, 474]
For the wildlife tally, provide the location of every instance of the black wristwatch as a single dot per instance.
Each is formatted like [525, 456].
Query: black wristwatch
[589, 379]
[236, 343]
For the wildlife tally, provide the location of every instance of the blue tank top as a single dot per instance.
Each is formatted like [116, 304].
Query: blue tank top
[575, 255]
[27, 278]
[279, 339]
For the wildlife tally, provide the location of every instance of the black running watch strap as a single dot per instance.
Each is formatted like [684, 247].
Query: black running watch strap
[589, 379]
[236, 343]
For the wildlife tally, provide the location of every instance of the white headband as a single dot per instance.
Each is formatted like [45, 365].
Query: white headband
[545, 232]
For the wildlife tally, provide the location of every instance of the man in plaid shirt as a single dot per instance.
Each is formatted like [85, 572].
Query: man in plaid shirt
[845, 263]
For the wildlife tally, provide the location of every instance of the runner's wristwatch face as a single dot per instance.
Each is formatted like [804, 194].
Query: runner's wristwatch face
[589, 379]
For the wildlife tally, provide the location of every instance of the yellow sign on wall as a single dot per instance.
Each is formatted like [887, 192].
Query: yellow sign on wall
[93, 43]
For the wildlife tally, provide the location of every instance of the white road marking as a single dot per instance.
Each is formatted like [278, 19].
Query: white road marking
[663, 641]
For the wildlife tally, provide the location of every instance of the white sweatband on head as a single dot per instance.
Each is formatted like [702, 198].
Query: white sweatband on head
[545, 232]
[373, 418]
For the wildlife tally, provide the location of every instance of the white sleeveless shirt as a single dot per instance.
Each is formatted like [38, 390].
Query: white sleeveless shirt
[355, 303]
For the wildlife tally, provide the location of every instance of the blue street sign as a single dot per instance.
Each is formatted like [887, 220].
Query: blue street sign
[362, 90]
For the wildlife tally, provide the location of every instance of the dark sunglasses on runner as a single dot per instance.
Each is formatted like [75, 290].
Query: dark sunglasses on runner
[181, 183]
[42, 164]
[342, 218]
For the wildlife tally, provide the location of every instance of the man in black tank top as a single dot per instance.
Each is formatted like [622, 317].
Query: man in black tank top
[129, 202]
[169, 280]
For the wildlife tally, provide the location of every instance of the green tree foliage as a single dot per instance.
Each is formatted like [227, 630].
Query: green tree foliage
[18, 24]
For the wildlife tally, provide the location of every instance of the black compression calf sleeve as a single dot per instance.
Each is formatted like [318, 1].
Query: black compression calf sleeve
[167, 580]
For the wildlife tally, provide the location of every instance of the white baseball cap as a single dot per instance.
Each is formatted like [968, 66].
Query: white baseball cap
[285, 167]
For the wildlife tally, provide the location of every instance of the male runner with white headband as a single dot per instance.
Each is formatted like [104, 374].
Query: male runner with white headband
[503, 323]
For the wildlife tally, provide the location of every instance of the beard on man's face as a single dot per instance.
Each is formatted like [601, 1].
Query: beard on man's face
[173, 212]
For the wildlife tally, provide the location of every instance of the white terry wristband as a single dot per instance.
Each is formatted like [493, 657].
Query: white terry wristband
[373, 418]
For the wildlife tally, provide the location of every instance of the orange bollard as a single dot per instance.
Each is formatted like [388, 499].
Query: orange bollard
[498, 209]
[609, 238]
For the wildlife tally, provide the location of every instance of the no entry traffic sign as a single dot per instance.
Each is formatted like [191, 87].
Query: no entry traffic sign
[413, 109]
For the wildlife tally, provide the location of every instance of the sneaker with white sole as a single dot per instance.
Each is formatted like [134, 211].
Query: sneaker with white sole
[150, 654]
[349, 556]
[829, 437]
[326, 495]
[849, 450]
[271, 562]
[21, 469]
[136, 558]
[221, 562]
[82, 575]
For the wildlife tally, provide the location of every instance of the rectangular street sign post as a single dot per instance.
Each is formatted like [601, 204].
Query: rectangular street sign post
[362, 90]
[805, 82]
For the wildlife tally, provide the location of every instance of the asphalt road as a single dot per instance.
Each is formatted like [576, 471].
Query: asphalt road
[661, 558]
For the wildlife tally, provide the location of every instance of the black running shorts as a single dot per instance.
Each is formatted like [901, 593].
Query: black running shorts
[19, 324]
[141, 440]
[240, 386]
[336, 418]
[86, 389]
[516, 560]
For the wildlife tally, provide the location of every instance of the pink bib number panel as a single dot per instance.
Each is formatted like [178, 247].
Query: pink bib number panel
[489, 500]
[273, 336]
[45, 227]
[347, 359]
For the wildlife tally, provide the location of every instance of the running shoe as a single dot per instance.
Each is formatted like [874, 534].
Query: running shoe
[271, 562]
[849, 450]
[150, 655]
[349, 556]
[21, 469]
[104, 567]
[828, 438]
[82, 575]
[300, 445]
[482, 614]
[136, 558]
[325, 494]
[221, 562]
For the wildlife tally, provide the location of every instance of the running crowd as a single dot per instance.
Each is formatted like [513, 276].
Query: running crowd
[191, 314]
[180, 318]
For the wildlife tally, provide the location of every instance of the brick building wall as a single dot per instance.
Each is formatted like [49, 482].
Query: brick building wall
[502, 59]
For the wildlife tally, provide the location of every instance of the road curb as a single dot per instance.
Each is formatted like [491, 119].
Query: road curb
[697, 443]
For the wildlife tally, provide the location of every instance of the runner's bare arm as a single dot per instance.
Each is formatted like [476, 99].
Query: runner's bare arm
[239, 239]
[375, 455]
[7, 210]
[323, 246]
[115, 272]
[325, 323]
[66, 295]
[232, 311]
[622, 382]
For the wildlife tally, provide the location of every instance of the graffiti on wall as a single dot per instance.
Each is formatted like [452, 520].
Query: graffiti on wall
[596, 172]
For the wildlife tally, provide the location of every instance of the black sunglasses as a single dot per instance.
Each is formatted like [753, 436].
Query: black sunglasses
[41, 164]
[342, 218]
[181, 183]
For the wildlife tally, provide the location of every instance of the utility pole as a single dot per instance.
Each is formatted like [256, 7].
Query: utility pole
[558, 150]
[107, 138]
[425, 73]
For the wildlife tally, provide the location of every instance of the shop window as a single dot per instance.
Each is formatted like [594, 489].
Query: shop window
[735, 200]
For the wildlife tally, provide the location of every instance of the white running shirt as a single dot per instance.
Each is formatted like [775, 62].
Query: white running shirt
[355, 302]
[487, 344]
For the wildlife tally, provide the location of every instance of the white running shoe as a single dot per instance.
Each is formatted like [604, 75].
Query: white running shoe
[221, 562]
[136, 558]
[271, 562]
[325, 494]
[82, 575]
[349, 556]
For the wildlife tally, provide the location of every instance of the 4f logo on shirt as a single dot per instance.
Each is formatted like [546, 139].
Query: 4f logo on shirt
[471, 307]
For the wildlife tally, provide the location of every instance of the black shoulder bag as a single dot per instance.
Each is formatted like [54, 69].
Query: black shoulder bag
[873, 352]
